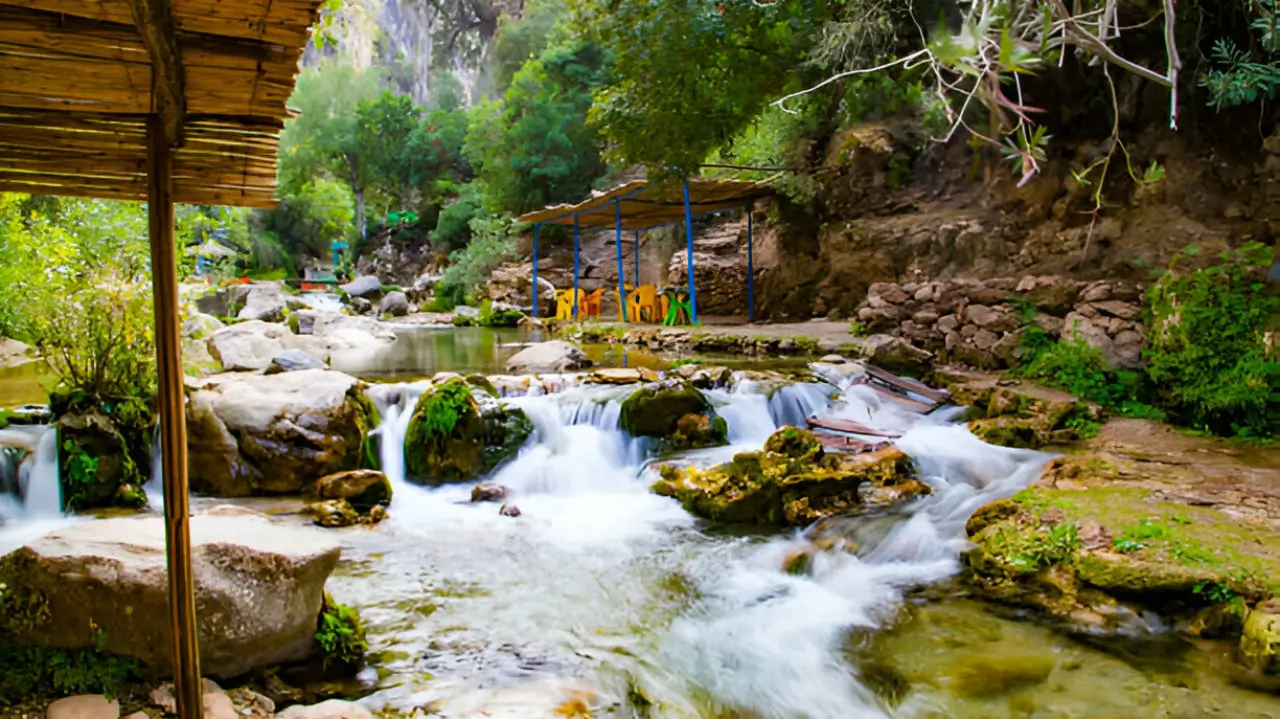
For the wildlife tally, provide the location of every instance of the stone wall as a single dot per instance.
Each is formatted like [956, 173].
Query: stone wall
[981, 323]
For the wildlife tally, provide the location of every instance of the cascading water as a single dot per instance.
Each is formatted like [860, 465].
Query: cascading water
[43, 498]
[575, 575]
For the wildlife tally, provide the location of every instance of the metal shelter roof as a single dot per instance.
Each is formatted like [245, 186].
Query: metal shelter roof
[648, 204]
[78, 79]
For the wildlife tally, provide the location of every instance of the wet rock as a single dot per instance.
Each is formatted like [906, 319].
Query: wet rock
[509, 510]
[248, 346]
[198, 326]
[251, 435]
[366, 286]
[541, 699]
[459, 433]
[266, 302]
[360, 305]
[621, 375]
[363, 488]
[331, 709]
[293, 361]
[833, 359]
[335, 514]
[550, 356]
[259, 586]
[674, 412]
[1024, 415]
[394, 304]
[488, 492]
[798, 562]
[1260, 644]
[84, 706]
[792, 483]
[893, 353]
[356, 331]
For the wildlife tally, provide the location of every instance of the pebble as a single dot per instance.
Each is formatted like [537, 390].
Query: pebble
[218, 706]
[84, 706]
[332, 709]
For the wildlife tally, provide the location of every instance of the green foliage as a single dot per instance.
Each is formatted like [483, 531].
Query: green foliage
[1235, 77]
[535, 148]
[1207, 351]
[453, 229]
[1074, 366]
[30, 671]
[493, 243]
[80, 476]
[679, 95]
[341, 635]
[501, 318]
[1140, 535]
[309, 218]
[443, 406]
[1029, 550]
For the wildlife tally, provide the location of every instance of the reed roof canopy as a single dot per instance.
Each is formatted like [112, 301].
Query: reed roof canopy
[645, 204]
[79, 78]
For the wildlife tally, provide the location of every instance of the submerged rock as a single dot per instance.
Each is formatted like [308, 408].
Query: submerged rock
[338, 513]
[459, 433]
[509, 510]
[676, 413]
[259, 587]
[251, 435]
[793, 482]
[550, 356]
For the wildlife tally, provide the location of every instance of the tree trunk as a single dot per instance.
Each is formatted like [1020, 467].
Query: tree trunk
[358, 191]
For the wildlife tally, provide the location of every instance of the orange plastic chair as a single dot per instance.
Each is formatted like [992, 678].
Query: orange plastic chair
[643, 298]
[590, 306]
[564, 303]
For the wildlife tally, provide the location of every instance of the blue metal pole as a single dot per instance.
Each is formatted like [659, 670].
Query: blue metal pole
[637, 254]
[751, 273]
[576, 241]
[617, 236]
[688, 235]
[536, 226]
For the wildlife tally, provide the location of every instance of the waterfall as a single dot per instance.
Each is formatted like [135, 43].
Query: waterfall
[155, 484]
[43, 497]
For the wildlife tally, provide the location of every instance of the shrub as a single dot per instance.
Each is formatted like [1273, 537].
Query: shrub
[1207, 353]
[491, 245]
[340, 635]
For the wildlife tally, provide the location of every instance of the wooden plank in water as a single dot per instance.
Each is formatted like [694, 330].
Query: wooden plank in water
[907, 384]
[850, 426]
[909, 404]
[840, 443]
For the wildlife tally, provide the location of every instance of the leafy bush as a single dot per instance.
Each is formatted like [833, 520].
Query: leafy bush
[340, 635]
[1207, 352]
[28, 671]
[1076, 367]
[469, 268]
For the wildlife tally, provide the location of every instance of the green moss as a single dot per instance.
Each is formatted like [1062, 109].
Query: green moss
[292, 320]
[367, 419]
[655, 410]
[450, 440]
[341, 635]
[28, 671]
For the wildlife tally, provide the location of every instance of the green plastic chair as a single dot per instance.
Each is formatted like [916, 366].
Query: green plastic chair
[678, 309]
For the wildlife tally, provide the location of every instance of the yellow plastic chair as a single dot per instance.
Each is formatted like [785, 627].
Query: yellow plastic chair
[564, 303]
[644, 297]
[622, 304]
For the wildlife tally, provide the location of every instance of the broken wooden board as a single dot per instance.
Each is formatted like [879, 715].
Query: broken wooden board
[846, 445]
[851, 427]
[906, 384]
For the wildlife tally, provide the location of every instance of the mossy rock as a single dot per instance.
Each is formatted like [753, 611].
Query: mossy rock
[1089, 541]
[453, 438]
[103, 453]
[675, 413]
[1260, 643]
[776, 489]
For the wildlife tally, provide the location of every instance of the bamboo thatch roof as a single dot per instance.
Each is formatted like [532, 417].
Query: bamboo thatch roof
[645, 205]
[76, 86]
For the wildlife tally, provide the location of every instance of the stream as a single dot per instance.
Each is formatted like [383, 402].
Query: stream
[606, 591]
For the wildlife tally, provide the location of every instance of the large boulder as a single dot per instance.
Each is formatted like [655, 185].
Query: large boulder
[674, 412]
[198, 326]
[259, 587]
[362, 488]
[254, 435]
[793, 482]
[294, 361]
[1025, 415]
[394, 304]
[265, 302]
[1260, 642]
[248, 346]
[366, 286]
[354, 329]
[459, 433]
[551, 356]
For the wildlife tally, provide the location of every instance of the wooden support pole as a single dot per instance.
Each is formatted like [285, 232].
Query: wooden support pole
[154, 20]
[173, 422]
[688, 236]
[536, 227]
[576, 243]
[637, 257]
[751, 272]
[617, 239]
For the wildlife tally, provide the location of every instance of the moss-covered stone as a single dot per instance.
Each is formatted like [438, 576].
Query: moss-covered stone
[103, 448]
[792, 487]
[675, 413]
[1081, 540]
[362, 488]
[458, 434]
[1027, 416]
[1260, 643]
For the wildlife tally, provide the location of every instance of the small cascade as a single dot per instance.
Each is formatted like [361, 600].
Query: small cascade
[322, 301]
[43, 498]
[155, 485]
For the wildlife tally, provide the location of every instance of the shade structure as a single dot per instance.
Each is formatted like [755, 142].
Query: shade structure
[644, 204]
[158, 100]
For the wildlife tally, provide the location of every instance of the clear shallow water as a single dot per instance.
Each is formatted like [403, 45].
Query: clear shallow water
[603, 587]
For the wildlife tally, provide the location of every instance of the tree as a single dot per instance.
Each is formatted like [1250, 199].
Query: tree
[690, 75]
[324, 139]
[535, 148]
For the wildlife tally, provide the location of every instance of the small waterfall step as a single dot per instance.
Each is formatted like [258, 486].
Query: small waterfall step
[908, 385]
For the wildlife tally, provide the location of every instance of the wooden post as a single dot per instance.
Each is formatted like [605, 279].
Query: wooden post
[576, 243]
[173, 422]
[617, 240]
[688, 236]
[751, 272]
